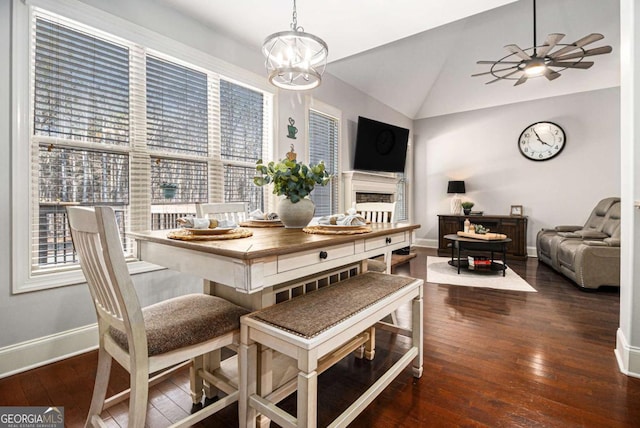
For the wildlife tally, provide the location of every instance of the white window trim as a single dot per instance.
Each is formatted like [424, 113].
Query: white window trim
[22, 279]
[328, 110]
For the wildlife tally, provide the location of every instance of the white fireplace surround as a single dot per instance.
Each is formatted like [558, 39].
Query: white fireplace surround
[368, 182]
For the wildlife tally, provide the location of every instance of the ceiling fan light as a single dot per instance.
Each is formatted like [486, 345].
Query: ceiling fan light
[535, 70]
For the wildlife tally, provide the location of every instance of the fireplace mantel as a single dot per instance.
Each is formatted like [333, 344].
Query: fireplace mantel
[368, 182]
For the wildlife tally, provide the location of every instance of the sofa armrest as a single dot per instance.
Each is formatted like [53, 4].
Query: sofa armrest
[567, 228]
[570, 235]
[596, 243]
[591, 234]
[612, 242]
[584, 234]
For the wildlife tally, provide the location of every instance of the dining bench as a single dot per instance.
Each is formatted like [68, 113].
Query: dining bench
[317, 330]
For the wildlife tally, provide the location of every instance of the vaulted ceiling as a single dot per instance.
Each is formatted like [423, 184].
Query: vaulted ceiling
[417, 56]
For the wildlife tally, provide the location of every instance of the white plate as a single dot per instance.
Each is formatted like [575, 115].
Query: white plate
[277, 220]
[216, 231]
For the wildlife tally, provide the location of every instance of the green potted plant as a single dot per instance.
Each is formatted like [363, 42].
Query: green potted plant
[168, 189]
[466, 207]
[294, 180]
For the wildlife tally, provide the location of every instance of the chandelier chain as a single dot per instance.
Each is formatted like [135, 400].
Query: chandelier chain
[294, 24]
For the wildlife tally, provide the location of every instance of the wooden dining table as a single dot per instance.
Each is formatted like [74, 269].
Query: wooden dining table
[272, 265]
[251, 271]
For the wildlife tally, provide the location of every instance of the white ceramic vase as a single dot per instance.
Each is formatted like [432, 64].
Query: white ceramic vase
[298, 215]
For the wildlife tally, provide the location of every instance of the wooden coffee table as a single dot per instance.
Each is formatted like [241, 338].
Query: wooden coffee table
[460, 243]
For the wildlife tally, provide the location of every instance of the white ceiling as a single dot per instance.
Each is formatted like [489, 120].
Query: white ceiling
[417, 56]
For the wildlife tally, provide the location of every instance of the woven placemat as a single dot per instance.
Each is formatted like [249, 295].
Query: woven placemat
[184, 235]
[320, 230]
[250, 223]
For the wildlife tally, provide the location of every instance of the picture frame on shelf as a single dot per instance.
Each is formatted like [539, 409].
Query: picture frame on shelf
[516, 211]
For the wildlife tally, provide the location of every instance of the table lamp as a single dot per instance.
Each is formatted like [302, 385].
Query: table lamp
[455, 187]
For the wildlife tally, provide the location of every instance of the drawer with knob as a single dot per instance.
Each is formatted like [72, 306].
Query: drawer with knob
[301, 259]
[384, 241]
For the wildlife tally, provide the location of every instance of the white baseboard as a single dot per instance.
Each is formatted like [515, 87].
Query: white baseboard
[427, 243]
[45, 350]
[628, 356]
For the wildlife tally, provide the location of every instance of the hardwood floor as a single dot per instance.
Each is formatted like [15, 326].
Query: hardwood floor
[491, 358]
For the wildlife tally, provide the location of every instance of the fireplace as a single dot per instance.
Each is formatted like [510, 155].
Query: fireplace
[369, 187]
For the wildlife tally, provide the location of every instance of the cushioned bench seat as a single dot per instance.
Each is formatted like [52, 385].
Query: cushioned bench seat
[312, 328]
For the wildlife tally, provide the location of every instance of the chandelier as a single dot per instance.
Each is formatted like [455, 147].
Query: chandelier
[294, 59]
[523, 64]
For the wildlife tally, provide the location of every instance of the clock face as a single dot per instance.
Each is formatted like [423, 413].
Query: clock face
[541, 141]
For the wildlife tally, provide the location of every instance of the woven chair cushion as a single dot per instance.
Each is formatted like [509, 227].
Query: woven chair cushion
[185, 321]
[376, 265]
[311, 314]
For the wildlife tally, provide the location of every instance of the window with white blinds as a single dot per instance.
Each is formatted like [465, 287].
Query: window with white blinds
[323, 146]
[80, 133]
[242, 134]
[116, 124]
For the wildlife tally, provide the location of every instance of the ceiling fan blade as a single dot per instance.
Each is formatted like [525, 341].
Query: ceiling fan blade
[494, 71]
[582, 64]
[514, 49]
[593, 37]
[550, 43]
[550, 74]
[595, 51]
[521, 80]
[498, 62]
[503, 77]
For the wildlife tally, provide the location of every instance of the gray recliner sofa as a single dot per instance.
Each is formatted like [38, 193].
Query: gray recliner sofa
[589, 254]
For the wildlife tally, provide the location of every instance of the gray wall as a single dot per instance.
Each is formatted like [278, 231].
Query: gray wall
[480, 147]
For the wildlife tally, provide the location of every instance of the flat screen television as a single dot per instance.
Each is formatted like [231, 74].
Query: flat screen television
[380, 146]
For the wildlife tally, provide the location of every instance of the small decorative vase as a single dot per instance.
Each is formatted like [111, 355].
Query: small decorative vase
[467, 211]
[168, 192]
[295, 216]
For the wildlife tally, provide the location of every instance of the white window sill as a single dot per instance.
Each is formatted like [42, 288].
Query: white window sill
[61, 279]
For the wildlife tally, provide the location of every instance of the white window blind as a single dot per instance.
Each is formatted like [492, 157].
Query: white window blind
[114, 122]
[242, 130]
[323, 146]
[177, 114]
[81, 86]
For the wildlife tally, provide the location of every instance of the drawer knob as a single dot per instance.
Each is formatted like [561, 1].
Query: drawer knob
[387, 240]
[323, 254]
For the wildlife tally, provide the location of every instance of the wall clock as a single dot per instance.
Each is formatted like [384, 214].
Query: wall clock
[541, 141]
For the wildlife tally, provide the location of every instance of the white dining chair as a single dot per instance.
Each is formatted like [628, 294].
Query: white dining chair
[151, 339]
[234, 211]
[378, 212]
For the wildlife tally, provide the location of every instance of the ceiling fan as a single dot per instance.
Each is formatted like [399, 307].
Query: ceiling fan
[523, 64]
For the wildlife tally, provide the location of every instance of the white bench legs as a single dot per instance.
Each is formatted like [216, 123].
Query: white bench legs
[317, 330]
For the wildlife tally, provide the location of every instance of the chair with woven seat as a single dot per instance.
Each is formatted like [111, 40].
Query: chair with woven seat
[151, 339]
[232, 211]
[378, 212]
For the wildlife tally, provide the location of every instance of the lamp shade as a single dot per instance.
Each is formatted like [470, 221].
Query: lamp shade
[456, 187]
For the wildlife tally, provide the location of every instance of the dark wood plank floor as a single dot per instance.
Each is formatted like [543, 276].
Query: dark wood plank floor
[491, 359]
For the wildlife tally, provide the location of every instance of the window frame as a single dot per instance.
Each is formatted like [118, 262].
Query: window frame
[22, 159]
